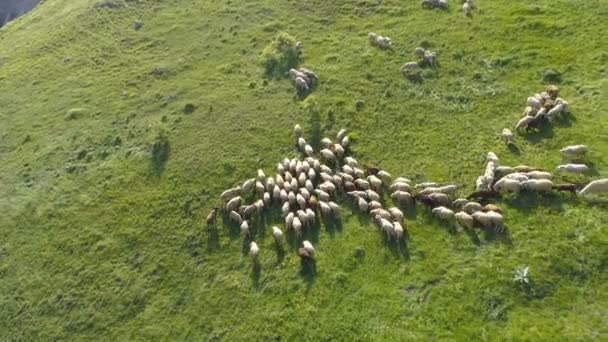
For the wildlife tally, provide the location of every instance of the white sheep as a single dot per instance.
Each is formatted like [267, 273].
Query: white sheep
[573, 168]
[308, 186]
[345, 142]
[496, 219]
[297, 130]
[380, 41]
[387, 227]
[472, 207]
[301, 201]
[235, 217]
[259, 187]
[291, 198]
[278, 234]
[372, 195]
[362, 184]
[402, 197]
[341, 134]
[254, 250]
[444, 214]
[596, 187]
[410, 68]
[248, 185]
[430, 58]
[507, 185]
[518, 176]
[427, 185]
[233, 203]
[323, 196]
[297, 225]
[540, 185]
[402, 180]
[335, 209]
[396, 214]
[507, 135]
[326, 142]
[460, 202]
[358, 173]
[289, 220]
[302, 179]
[285, 208]
[245, 228]
[523, 122]
[311, 217]
[374, 205]
[465, 220]
[308, 247]
[266, 198]
[539, 175]
[230, 193]
[381, 213]
[312, 174]
[325, 208]
[400, 186]
[466, 9]
[339, 150]
[261, 176]
[328, 187]
[328, 155]
[352, 162]
[385, 177]
[398, 230]
[375, 182]
[259, 205]
[534, 102]
[362, 204]
[574, 151]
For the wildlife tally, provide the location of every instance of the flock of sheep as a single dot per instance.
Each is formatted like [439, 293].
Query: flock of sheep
[543, 108]
[308, 188]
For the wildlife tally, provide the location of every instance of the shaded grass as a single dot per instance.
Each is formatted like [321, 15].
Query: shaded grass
[104, 245]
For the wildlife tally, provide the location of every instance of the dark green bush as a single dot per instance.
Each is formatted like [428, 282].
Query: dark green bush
[280, 56]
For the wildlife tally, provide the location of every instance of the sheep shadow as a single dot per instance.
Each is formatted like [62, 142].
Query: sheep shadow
[409, 211]
[234, 229]
[565, 120]
[256, 273]
[398, 248]
[280, 252]
[527, 201]
[213, 238]
[514, 149]
[536, 136]
[472, 234]
[501, 235]
[333, 226]
[315, 124]
[308, 272]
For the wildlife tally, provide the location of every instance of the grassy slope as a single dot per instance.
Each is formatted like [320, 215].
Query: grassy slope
[105, 243]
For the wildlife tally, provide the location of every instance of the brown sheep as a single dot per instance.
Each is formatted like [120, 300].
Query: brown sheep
[212, 216]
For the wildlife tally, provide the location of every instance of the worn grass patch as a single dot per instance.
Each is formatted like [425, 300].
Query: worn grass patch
[102, 234]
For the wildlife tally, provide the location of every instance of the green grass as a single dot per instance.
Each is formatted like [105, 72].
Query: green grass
[98, 240]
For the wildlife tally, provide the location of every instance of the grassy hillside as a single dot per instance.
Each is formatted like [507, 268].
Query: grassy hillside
[100, 241]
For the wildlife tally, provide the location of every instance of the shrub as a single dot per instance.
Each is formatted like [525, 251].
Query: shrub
[160, 144]
[280, 56]
[552, 76]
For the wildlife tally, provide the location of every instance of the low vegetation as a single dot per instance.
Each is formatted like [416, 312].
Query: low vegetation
[103, 235]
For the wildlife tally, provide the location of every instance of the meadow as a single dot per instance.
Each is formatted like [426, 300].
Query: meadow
[102, 238]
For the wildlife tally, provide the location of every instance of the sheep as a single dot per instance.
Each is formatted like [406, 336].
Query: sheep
[430, 58]
[430, 4]
[524, 122]
[259, 187]
[230, 193]
[313, 202]
[301, 201]
[301, 144]
[311, 217]
[574, 151]
[266, 198]
[337, 180]
[507, 135]
[316, 165]
[312, 77]
[245, 228]
[338, 150]
[483, 218]
[440, 198]
[491, 207]
[387, 227]
[518, 176]
[259, 205]
[297, 225]
[410, 68]
[381, 213]
[556, 111]
[358, 173]
[398, 230]
[504, 170]
[326, 142]
[308, 247]
[444, 214]
[419, 51]
[448, 189]
[352, 162]
[346, 177]
[483, 194]
[466, 9]
[325, 208]
[596, 187]
[328, 155]
[285, 209]
[362, 184]
[291, 198]
[326, 177]
[464, 220]
[362, 204]
[402, 197]
[328, 187]
[233, 203]
[539, 175]
[335, 209]
[302, 179]
[533, 102]
[289, 220]
[345, 142]
[526, 168]
[374, 205]
[349, 186]
[261, 176]
[248, 185]
[295, 184]
[540, 185]
[312, 174]
[380, 41]
[278, 234]
[472, 207]
[396, 214]
[375, 182]
[402, 180]
[496, 219]
[301, 84]
[507, 185]
[400, 186]
[372, 195]
[308, 150]
[482, 184]
[573, 168]
[459, 203]
[427, 185]
[358, 193]
[297, 130]
[385, 177]
[254, 250]
[429, 201]
[323, 196]
[212, 216]
[235, 217]
[553, 91]
[341, 134]
[538, 121]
